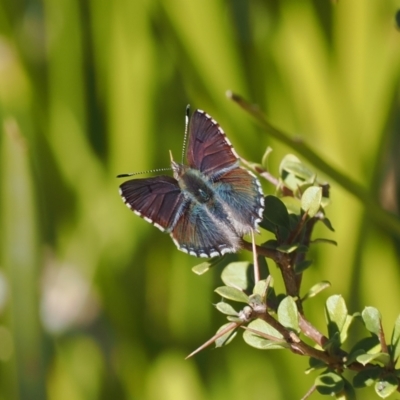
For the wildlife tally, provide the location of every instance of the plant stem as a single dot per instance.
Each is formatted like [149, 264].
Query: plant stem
[381, 217]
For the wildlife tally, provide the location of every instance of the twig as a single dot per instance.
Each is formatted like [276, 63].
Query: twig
[380, 216]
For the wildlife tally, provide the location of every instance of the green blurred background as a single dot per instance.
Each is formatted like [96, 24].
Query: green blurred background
[94, 302]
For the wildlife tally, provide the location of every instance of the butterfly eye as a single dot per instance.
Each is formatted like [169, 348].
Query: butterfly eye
[203, 195]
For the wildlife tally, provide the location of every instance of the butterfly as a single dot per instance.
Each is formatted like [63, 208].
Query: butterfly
[210, 203]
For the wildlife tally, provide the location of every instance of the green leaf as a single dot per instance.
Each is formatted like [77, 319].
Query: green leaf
[292, 204]
[268, 225]
[352, 357]
[264, 160]
[231, 293]
[302, 266]
[395, 342]
[270, 244]
[226, 308]
[260, 342]
[366, 377]
[236, 275]
[369, 344]
[333, 342]
[288, 248]
[348, 391]
[387, 386]
[325, 201]
[261, 287]
[381, 358]
[323, 240]
[292, 164]
[311, 200]
[288, 314]
[328, 224]
[336, 313]
[276, 212]
[372, 319]
[316, 289]
[315, 364]
[226, 338]
[291, 182]
[345, 328]
[202, 268]
[329, 383]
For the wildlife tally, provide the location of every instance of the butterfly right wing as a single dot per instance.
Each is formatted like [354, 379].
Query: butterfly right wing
[209, 150]
[157, 200]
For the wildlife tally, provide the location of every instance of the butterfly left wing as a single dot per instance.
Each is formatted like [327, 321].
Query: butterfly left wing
[158, 200]
[209, 150]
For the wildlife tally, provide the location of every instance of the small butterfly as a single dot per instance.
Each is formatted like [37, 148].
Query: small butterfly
[209, 204]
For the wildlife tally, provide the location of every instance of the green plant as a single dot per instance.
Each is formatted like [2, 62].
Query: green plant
[271, 320]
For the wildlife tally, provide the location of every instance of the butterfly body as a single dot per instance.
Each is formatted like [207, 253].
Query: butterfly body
[210, 204]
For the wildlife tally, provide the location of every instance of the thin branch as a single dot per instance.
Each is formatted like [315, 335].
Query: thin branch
[312, 389]
[381, 217]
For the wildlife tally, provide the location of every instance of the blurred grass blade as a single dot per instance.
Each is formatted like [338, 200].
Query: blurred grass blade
[20, 260]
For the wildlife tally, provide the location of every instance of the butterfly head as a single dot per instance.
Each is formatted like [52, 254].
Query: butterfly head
[178, 170]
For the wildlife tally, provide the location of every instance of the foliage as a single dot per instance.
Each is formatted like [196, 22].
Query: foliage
[273, 320]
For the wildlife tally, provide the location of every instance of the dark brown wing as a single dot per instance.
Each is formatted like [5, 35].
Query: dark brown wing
[158, 200]
[209, 150]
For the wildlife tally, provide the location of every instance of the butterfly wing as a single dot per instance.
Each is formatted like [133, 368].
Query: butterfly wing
[199, 232]
[158, 200]
[209, 150]
[242, 197]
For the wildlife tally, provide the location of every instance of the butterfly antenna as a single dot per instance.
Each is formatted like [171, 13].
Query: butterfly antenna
[150, 171]
[186, 131]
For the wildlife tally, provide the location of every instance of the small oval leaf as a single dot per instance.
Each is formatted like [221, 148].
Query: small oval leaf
[202, 268]
[381, 358]
[288, 248]
[336, 312]
[302, 266]
[288, 315]
[261, 287]
[236, 275]
[385, 387]
[328, 224]
[366, 377]
[260, 342]
[276, 212]
[316, 289]
[264, 160]
[323, 240]
[372, 319]
[226, 308]
[395, 342]
[292, 164]
[329, 383]
[231, 293]
[292, 204]
[311, 200]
